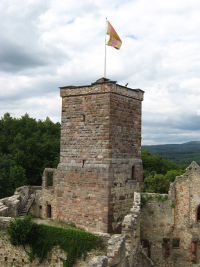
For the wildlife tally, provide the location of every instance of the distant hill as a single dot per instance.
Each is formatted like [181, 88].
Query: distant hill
[180, 153]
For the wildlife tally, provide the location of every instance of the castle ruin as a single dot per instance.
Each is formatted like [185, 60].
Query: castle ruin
[98, 184]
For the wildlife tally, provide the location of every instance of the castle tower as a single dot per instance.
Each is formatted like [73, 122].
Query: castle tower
[100, 161]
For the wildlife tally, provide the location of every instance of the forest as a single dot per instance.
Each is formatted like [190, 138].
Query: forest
[28, 146]
[180, 153]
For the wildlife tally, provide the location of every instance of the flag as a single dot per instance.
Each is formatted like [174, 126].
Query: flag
[114, 40]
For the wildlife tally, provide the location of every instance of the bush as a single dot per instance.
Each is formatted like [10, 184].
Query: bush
[41, 239]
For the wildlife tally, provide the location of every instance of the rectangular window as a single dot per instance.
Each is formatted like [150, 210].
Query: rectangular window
[175, 242]
[50, 179]
[133, 173]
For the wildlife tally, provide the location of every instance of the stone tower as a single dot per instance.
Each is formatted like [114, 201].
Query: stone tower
[100, 161]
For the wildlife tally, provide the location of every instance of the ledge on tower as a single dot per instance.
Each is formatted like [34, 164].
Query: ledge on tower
[103, 80]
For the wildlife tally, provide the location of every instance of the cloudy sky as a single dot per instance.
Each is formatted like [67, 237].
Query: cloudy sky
[47, 44]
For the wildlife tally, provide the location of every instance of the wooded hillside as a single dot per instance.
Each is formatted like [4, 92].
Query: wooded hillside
[27, 147]
[180, 153]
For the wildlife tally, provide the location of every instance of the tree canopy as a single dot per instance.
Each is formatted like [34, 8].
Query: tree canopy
[27, 146]
[158, 173]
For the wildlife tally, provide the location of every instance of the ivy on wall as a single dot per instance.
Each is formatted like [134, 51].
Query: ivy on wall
[41, 238]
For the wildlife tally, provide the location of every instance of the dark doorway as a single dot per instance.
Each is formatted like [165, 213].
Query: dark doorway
[48, 211]
[198, 214]
[146, 247]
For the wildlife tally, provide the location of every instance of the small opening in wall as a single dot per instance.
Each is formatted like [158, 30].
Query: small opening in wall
[175, 242]
[83, 118]
[6, 258]
[22, 260]
[133, 173]
[40, 207]
[50, 178]
[83, 163]
[146, 246]
[48, 211]
[198, 214]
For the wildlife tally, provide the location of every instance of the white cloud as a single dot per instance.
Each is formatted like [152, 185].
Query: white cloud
[47, 44]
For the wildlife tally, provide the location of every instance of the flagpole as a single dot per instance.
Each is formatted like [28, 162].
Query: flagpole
[105, 52]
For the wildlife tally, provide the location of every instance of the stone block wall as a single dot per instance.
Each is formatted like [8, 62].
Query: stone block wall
[169, 229]
[9, 206]
[16, 256]
[156, 224]
[100, 161]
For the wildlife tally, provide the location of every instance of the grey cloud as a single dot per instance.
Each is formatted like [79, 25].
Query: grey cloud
[14, 58]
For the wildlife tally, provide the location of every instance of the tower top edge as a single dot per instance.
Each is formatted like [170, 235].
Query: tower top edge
[98, 82]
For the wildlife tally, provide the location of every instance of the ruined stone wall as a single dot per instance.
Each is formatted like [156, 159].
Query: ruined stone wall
[156, 223]
[186, 194]
[9, 206]
[16, 256]
[169, 229]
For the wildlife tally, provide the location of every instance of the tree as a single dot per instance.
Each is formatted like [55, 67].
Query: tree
[171, 175]
[156, 184]
[17, 177]
[29, 146]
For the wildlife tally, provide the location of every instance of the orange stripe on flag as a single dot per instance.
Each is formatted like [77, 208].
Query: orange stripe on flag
[114, 40]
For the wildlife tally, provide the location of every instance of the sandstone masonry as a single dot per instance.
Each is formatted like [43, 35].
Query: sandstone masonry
[100, 156]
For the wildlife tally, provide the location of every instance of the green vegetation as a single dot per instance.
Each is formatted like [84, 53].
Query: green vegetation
[158, 173]
[173, 204]
[182, 154]
[27, 147]
[162, 198]
[144, 199]
[41, 238]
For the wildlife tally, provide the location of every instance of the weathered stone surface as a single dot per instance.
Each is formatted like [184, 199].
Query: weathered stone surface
[100, 261]
[170, 229]
[100, 157]
[16, 256]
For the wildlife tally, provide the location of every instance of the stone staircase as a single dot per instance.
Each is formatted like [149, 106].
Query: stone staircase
[26, 203]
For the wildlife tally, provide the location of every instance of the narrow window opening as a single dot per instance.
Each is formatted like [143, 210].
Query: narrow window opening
[6, 258]
[48, 211]
[83, 163]
[175, 242]
[83, 118]
[133, 173]
[40, 211]
[198, 214]
[50, 178]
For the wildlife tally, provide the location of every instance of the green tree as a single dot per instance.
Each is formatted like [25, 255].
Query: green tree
[17, 177]
[171, 175]
[29, 145]
[156, 184]
[154, 163]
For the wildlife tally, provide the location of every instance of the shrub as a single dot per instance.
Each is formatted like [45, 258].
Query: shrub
[41, 239]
